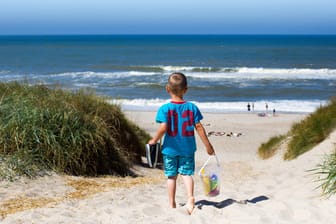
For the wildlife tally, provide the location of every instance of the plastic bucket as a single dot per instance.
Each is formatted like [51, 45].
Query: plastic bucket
[210, 176]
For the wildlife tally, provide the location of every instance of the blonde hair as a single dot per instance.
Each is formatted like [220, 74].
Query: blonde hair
[177, 83]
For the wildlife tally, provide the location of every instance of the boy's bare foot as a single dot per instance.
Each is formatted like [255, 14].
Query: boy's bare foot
[173, 205]
[190, 205]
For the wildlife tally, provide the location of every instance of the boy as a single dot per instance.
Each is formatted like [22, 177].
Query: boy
[178, 119]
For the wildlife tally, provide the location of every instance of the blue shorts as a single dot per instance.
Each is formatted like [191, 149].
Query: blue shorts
[173, 165]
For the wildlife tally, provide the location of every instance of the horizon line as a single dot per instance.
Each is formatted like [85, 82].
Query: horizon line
[168, 34]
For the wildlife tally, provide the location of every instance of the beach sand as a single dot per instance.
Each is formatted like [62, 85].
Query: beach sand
[252, 190]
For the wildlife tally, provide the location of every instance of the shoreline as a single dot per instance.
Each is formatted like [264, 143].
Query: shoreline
[270, 113]
[143, 105]
[252, 190]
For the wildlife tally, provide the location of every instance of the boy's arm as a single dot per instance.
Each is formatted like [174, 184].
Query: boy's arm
[160, 132]
[201, 132]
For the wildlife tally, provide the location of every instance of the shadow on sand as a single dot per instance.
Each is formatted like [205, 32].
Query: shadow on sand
[227, 202]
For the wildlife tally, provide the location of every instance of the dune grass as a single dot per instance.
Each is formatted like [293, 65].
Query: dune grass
[326, 174]
[312, 130]
[269, 148]
[305, 134]
[49, 129]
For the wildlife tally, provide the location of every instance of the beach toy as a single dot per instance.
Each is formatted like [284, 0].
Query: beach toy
[206, 182]
[214, 185]
[210, 173]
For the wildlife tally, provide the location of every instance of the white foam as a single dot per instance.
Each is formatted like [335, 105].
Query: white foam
[288, 106]
[262, 73]
[235, 73]
[90, 74]
[239, 73]
[4, 72]
[177, 68]
[139, 104]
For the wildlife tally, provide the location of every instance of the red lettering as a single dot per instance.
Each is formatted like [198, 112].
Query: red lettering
[172, 123]
[187, 125]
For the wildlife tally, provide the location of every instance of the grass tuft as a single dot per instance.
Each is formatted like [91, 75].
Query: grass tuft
[305, 134]
[269, 148]
[326, 173]
[78, 133]
[312, 130]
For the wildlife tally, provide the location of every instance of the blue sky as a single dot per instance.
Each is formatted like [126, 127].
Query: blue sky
[167, 17]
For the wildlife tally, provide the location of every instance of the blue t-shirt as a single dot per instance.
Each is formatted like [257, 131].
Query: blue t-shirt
[180, 117]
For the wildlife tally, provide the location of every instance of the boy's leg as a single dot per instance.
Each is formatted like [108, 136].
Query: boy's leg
[171, 187]
[170, 170]
[186, 169]
[189, 185]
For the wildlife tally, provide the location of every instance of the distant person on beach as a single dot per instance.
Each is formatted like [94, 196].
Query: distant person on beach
[248, 107]
[177, 120]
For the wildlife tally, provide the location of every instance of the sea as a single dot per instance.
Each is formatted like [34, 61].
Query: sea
[288, 73]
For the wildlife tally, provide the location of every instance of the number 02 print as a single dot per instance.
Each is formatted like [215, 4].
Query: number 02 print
[173, 123]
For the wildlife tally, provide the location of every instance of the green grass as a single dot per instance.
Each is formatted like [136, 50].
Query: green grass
[305, 134]
[50, 129]
[269, 148]
[326, 174]
[312, 130]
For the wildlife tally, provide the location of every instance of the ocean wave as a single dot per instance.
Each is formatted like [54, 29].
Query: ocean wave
[286, 106]
[154, 69]
[239, 73]
[4, 72]
[271, 74]
[195, 69]
[91, 74]
[242, 70]
[217, 73]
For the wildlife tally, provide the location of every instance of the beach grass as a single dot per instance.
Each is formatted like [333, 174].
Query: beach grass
[326, 174]
[305, 134]
[312, 130]
[46, 129]
[269, 148]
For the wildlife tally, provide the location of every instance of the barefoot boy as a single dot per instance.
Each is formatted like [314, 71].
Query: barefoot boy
[178, 119]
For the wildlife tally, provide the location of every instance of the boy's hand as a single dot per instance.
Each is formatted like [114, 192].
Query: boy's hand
[152, 142]
[210, 150]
